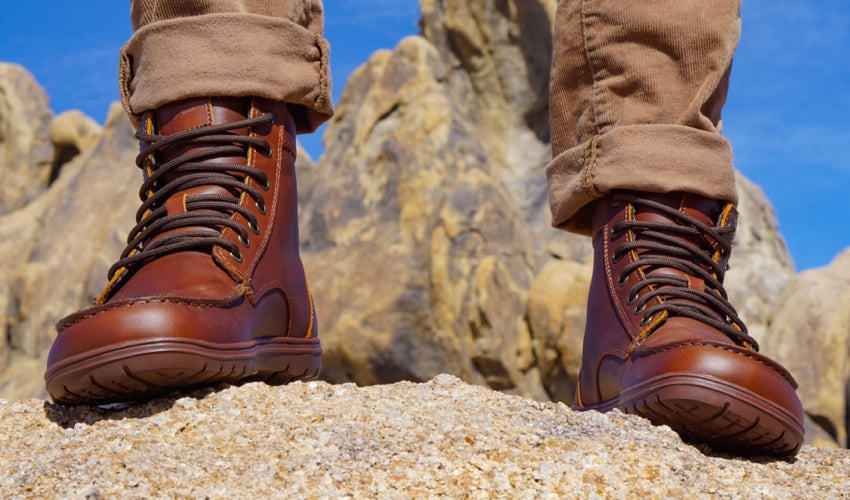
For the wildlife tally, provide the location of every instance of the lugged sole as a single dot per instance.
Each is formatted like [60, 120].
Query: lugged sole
[709, 410]
[142, 370]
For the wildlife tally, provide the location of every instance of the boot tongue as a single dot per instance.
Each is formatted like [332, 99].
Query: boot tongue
[705, 210]
[192, 114]
[700, 208]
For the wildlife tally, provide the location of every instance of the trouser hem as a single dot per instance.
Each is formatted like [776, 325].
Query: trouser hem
[211, 55]
[649, 158]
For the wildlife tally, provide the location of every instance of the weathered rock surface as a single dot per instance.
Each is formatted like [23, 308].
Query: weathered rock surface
[409, 228]
[57, 248]
[71, 133]
[810, 334]
[435, 440]
[25, 151]
[425, 224]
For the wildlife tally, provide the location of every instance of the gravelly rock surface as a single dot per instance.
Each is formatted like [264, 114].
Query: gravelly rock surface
[444, 438]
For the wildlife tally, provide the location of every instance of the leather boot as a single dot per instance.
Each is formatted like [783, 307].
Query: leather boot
[662, 339]
[210, 287]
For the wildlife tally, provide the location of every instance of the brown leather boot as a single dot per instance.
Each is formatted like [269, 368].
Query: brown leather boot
[662, 340]
[210, 287]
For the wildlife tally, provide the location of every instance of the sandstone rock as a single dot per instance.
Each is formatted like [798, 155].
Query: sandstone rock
[57, 250]
[71, 133]
[434, 440]
[25, 151]
[761, 265]
[557, 307]
[810, 335]
[415, 253]
[498, 57]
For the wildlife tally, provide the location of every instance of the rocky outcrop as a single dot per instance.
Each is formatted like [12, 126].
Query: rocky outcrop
[25, 151]
[425, 224]
[315, 440]
[57, 248]
[810, 334]
[412, 245]
[71, 133]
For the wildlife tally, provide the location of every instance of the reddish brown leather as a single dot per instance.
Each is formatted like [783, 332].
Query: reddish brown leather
[211, 297]
[620, 353]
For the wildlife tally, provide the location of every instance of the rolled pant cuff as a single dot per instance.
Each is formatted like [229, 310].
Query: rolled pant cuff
[650, 158]
[209, 55]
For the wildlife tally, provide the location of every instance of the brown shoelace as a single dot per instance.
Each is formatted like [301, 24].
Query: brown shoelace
[665, 245]
[206, 214]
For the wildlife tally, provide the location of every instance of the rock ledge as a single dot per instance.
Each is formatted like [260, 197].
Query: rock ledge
[316, 440]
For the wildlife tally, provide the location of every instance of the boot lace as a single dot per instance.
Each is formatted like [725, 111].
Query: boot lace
[158, 233]
[665, 245]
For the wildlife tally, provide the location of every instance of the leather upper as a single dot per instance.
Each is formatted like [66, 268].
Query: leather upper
[211, 294]
[624, 346]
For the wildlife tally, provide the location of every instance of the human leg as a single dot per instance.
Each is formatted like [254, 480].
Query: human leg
[198, 48]
[210, 287]
[639, 164]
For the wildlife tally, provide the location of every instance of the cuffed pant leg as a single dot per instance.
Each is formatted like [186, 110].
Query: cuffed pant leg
[197, 48]
[636, 94]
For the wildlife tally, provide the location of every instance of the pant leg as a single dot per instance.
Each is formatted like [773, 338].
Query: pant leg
[197, 48]
[636, 93]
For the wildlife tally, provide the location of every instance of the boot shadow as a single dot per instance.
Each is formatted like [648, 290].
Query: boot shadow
[67, 416]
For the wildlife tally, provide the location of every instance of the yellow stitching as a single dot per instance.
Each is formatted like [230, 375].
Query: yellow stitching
[310, 302]
[658, 349]
[232, 271]
[579, 398]
[651, 328]
[115, 277]
[177, 301]
[724, 219]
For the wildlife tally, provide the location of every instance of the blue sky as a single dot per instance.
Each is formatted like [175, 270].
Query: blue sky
[788, 113]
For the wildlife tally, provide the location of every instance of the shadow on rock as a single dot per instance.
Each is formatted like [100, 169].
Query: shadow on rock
[69, 416]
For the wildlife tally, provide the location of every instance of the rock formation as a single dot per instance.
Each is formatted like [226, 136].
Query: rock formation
[432, 182]
[25, 150]
[425, 224]
[57, 248]
[810, 335]
[315, 440]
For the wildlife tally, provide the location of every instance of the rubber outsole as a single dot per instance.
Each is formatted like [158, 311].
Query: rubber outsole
[712, 411]
[142, 370]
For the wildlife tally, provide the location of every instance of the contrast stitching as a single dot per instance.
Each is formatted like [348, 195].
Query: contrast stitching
[589, 168]
[746, 354]
[176, 301]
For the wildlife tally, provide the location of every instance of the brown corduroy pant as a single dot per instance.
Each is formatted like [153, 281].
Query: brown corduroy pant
[636, 94]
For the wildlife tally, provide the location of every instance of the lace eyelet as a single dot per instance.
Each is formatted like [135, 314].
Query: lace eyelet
[245, 242]
[261, 207]
[640, 309]
[267, 154]
[255, 228]
[631, 300]
[266, 185]
[616, 258]
[645, 320]
[237, 256]
[623, 280]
